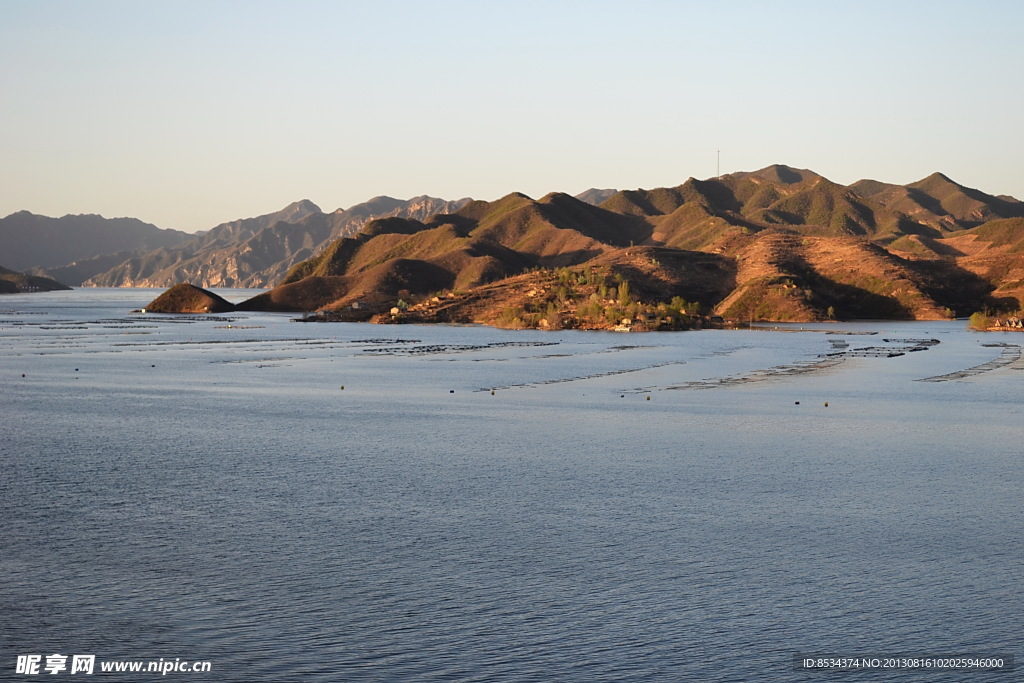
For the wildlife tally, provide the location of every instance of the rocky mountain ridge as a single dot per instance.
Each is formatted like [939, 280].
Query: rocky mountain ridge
[257, 252]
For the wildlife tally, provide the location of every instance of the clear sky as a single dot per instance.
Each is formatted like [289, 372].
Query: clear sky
[190, 113]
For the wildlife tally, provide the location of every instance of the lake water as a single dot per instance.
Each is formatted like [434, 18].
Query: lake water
[350, 502]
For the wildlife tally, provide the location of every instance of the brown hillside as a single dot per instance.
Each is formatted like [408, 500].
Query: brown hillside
[780, 174]
[1006, 273]
[694, 226]
[659, 274]
[787, 277]
[1006, 235]
[994, 252]
[527, 229]
[871, 188]
[977, 269]
[922, 247]
[595, 222]
[187, 298]
[655, 202]
[308, 294]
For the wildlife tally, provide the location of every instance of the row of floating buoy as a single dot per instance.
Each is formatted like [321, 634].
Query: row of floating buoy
[798, 403]
[452, 391]
[152, 366]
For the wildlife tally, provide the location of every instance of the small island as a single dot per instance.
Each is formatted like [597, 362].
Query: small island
[187, 298]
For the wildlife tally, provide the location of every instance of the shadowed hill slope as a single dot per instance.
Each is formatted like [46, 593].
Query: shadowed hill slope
[790, 277]
[13, 282]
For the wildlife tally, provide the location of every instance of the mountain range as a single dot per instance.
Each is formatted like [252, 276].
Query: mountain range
[251, 252]
[780, 243]
[28, 240]
[776, 244]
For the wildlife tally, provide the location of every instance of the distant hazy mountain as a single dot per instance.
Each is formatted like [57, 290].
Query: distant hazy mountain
[77, 272]
[28, 240]
[257, 252]
[595, 196]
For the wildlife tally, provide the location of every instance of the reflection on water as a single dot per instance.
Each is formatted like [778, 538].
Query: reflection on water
[350, 502]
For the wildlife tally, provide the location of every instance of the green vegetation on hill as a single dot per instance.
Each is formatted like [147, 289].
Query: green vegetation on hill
[583, 297]
[979, 321]
[1007, 233]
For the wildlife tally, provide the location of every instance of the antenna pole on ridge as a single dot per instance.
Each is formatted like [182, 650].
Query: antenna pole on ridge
[718, 168]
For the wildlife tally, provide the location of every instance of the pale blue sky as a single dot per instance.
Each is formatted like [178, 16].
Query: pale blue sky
[187, 114]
